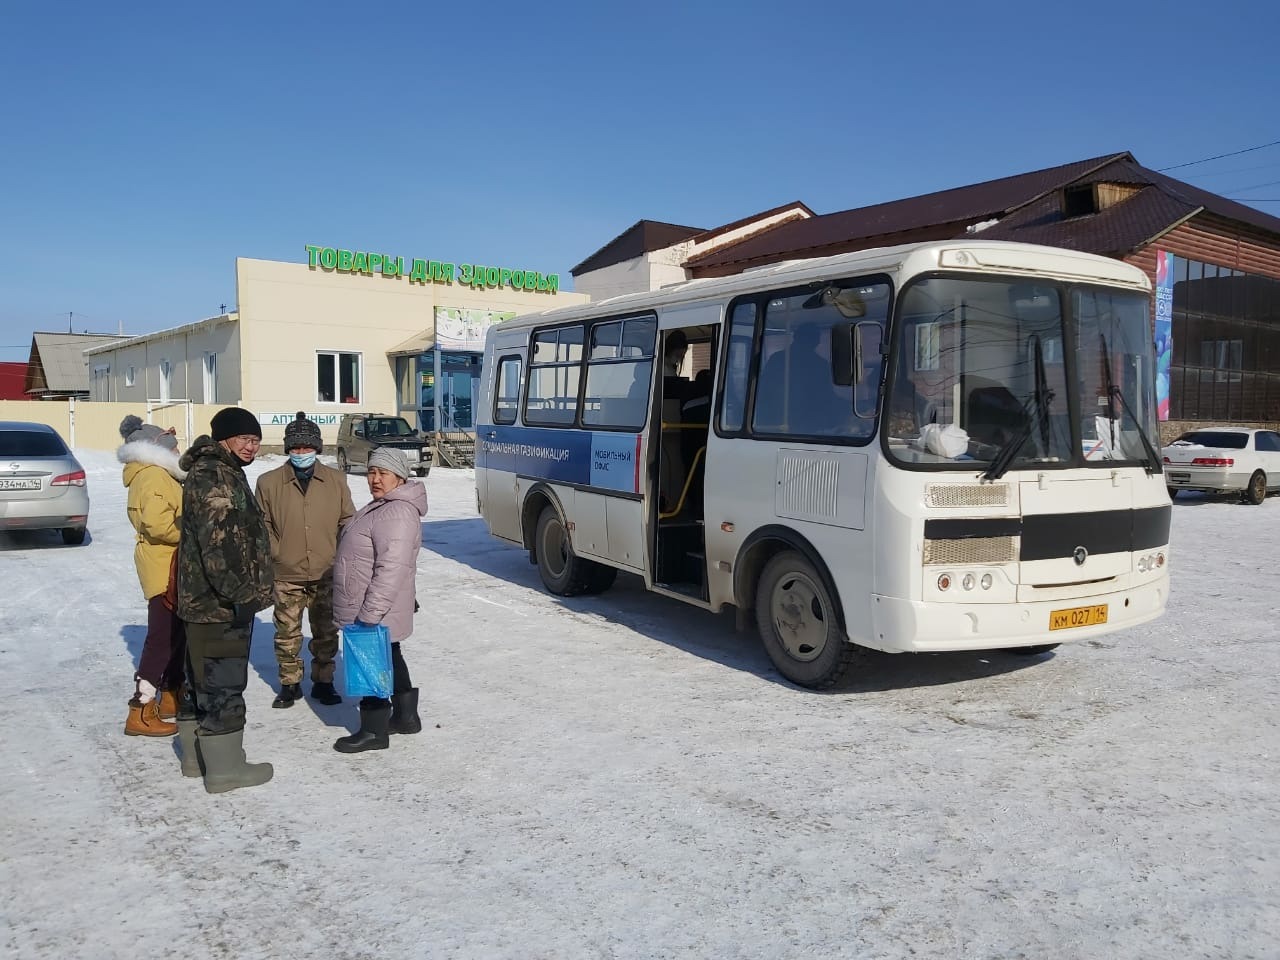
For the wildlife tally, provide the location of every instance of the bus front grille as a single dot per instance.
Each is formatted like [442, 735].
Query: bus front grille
[967, 495]
[971, 550]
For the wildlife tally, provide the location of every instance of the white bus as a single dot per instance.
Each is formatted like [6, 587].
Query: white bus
[935, 447]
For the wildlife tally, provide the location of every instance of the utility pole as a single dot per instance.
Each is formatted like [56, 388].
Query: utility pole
[69, 316]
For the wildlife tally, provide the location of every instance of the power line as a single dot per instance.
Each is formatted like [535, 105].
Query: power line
[1234, 153]
[1256, 186]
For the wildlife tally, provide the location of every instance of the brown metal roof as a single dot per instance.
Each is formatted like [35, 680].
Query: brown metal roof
[1026, 205]
[640, 238]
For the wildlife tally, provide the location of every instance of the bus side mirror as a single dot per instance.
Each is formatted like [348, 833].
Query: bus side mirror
[843, 355]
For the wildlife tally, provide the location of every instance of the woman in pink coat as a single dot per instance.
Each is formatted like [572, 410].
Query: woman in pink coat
[374, 577]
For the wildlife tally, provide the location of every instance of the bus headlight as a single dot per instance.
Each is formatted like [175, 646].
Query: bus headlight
[968, 581]
[986, 581]
[944, 581]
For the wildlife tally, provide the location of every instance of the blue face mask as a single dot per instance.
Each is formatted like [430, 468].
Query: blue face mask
[302, 460]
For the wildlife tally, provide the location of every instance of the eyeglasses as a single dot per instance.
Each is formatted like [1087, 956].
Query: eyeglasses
[247, 440]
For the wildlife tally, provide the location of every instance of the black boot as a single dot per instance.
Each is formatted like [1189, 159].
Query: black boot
[289, 692]
[372, 734]
[324, 693]
[404, 712]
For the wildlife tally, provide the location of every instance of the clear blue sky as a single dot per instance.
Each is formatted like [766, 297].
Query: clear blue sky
[144, 146]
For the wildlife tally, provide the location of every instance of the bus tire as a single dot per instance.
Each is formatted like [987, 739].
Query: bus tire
[602, 577]
[799, 623]
[563, 573]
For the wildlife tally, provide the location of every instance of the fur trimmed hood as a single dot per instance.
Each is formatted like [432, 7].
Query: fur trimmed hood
[145, 453]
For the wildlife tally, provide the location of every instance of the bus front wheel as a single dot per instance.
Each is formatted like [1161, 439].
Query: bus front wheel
[564, 573]
[799, 625]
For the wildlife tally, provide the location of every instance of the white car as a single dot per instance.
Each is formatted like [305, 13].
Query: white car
[1224, 459]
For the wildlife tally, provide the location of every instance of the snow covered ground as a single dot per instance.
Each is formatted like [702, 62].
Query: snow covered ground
[623, 776]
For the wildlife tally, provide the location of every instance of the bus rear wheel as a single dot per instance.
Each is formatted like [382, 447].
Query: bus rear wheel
[799, 624]
[563, 572]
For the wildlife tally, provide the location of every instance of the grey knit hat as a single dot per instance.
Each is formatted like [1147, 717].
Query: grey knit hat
[390, 459]
[134, 430]
[301, 432]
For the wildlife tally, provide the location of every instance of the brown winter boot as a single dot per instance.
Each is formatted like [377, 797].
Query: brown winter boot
[167, 704]
[144, 721]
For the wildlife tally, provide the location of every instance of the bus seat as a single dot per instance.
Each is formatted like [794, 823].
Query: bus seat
[995, 415]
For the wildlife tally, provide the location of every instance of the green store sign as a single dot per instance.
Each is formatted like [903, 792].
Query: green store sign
[336, 260]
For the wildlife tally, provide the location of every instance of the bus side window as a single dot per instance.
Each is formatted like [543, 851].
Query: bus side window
[737, 361]
[507, 395]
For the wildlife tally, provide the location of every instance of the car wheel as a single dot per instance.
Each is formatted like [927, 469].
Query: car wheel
[1173, 493]
[343, 465]
[1256, 492]
[1033, 651]
[799, 624]
[73, 536]
[563, 572]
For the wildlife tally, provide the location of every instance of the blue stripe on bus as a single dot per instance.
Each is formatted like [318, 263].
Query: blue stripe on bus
[607, 460]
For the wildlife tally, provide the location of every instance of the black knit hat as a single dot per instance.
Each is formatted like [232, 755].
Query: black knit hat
[234, 422]
[301, 432]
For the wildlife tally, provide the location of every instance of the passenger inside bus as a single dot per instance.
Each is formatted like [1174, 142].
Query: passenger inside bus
[796, 392]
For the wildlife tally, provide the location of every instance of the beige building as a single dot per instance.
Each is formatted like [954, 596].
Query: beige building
[345, 332]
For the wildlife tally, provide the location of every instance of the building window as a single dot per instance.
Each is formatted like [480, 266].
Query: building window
[1226, 344]
[337, 377]
[210, 378]
[130, 376]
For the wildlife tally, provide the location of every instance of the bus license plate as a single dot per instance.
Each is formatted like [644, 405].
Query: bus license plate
[1078, 617]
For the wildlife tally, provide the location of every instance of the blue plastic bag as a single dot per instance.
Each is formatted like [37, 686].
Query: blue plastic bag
[366, 661]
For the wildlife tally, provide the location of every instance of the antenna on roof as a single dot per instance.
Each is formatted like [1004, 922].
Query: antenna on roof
[222, 308]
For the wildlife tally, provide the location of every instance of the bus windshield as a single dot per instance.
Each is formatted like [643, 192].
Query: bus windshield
[980, 375]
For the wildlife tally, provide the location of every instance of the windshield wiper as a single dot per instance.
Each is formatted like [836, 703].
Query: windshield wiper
[1038, 403]
[1152, 463]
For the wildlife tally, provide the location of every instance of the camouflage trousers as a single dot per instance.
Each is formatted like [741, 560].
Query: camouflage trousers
[316, 598]
[218, 655]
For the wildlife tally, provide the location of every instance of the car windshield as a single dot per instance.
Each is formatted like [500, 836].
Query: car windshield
[1215, 438]
[983, 372]
[31, 443]
[388, 427]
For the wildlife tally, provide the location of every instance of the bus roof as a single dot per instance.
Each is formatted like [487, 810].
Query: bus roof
[960, 256]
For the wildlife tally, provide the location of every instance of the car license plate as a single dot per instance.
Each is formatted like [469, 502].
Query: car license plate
[1078, 617]
[8, 483]
[1180, 477]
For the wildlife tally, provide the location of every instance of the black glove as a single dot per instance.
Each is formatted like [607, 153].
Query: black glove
[242, 614]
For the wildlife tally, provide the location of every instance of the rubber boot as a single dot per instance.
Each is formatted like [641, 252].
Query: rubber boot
[372, 734]
[324, 693]
[289, 692]
[187, 752]
[404, 712]
[224, 764]
[144, 721]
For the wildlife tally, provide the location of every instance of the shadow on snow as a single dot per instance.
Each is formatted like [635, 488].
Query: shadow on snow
[697, 631]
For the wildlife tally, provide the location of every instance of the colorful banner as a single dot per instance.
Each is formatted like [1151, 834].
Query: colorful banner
[464, 329]
[586, 458]
[1164, 329]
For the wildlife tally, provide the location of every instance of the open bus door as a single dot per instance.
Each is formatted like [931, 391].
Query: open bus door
[682, 422]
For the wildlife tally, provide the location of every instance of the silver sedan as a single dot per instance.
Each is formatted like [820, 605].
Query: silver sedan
[42, 485]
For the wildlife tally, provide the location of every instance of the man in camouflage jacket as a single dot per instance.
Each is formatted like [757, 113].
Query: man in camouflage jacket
[224, 577]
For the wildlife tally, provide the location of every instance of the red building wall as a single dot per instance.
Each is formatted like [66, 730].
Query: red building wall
[13, 377]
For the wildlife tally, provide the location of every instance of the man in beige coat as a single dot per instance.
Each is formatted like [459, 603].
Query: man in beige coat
[305, 505]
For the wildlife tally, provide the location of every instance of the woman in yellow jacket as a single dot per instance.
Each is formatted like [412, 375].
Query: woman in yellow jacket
[154, 481]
